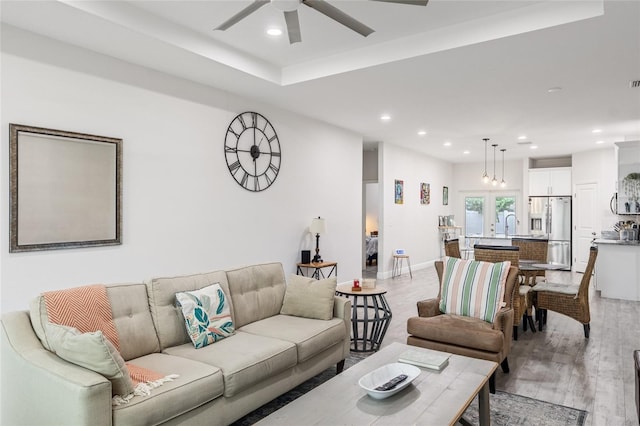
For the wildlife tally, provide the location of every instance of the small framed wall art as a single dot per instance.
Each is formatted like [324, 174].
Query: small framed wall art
[445, 195]
[425, 193]
[65, 189]
[399, 191]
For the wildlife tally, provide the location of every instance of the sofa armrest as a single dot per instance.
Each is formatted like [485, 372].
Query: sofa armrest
[429, 307]
[38, 387]
[342, 309]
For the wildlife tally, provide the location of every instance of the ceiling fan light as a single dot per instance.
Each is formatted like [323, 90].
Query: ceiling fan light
[275, 32]
[286, 5]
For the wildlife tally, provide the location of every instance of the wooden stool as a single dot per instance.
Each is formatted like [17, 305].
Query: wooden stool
[397, 265]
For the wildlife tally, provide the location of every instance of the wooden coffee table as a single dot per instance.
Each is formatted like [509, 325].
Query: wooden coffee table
[434, 398]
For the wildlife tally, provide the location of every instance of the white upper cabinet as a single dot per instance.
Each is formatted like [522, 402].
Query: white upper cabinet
[555, 181]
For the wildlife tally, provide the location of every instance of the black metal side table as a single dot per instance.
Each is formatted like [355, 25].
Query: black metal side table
[370, 317]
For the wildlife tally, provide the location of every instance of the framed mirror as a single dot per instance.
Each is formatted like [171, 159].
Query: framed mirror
[65, 189]
[628, 199]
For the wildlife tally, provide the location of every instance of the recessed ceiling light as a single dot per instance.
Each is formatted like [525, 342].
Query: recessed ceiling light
[554, 89]
[533, 147]
[596, 131]
[466, 151]
[274, 32]
[422, 132]
[385, 117]
[599, 142]
[447, 143]
[522, 137]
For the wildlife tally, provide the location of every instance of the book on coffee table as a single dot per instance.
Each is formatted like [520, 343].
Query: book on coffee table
[427, 359]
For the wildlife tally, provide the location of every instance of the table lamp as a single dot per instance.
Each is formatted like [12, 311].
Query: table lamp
[317, 227]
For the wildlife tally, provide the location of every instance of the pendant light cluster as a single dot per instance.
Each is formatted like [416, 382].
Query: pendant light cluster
[485, 176]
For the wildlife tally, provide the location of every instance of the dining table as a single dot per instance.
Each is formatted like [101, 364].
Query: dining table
[529, 269]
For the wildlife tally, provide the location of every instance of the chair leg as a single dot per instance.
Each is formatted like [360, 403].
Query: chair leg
[587, 329]
[492, 383]
[340, 367]
[515, 332]
[524, 322]
[531, 324]
[505, 365]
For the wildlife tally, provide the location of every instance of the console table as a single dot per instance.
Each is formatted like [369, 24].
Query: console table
[317, 269]
[370, 317]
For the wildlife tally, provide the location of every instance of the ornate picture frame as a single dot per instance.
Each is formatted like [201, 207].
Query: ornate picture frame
[65, 189]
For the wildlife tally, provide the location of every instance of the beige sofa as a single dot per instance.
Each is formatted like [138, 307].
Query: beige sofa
[269, 354]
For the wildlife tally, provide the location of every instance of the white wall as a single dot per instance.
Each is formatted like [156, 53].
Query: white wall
[183, 213]
[411, 226]
[467, 178]
[598, 167]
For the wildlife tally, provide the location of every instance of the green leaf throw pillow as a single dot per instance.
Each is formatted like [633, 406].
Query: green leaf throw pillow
[206, 315]
[473, 289]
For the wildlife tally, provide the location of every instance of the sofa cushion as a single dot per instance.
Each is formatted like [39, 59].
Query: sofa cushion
[457, 330]
[309, 298]
[92, 351]
[310, 336]
[166, 314]
[473, 288]
[131, 316]
[197, 384]
[244, 358]
[206, 314]
[257, 292]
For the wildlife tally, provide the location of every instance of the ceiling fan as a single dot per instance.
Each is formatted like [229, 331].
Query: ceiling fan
[290, 9]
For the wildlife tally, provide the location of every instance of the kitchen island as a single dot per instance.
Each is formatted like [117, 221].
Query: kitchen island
[618, 269]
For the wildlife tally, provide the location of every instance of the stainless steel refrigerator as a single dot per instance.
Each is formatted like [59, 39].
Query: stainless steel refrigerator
[551, 217]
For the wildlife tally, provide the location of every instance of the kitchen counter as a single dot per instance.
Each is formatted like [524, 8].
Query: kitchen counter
[599, 241]
[501, 237]
[618, 269]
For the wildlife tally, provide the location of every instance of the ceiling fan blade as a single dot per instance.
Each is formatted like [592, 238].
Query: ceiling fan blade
[410, 2]
[293, 26]
[338, 16]
[257, 4]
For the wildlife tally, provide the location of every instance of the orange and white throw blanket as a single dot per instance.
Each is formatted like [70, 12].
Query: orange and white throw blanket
[88, 309]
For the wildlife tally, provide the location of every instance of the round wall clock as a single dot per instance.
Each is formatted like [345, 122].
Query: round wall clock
[252, 151]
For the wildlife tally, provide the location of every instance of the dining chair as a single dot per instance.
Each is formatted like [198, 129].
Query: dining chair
[522, 298]
[534, 249]
[452, 248]
[571, 300]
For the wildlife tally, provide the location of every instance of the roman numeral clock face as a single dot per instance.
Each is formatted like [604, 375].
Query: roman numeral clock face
[252, 151]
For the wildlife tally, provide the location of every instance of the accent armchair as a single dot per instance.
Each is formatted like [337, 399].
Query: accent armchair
[465, 335]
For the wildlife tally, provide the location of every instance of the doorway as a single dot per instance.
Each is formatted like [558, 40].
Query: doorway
[371, 229]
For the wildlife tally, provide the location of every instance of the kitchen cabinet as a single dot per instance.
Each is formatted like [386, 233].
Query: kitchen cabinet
[618, 269]
[554, 181]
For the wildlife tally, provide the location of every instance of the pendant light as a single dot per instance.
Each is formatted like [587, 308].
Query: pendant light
[503, 183]
[494, 181]
[485, 176]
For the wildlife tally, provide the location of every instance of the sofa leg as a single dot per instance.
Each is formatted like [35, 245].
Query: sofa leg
[340, 367]
[492, 383]
[587, 329]
[515, 332]
[505, 365]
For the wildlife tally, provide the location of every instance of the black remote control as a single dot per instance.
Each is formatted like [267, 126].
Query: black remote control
[392, 383]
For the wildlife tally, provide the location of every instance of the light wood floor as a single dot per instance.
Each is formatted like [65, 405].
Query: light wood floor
[557, 365]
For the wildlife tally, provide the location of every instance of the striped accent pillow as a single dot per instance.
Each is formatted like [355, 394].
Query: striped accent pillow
[473, 289]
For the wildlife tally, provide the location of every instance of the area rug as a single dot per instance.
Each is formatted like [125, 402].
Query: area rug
[506, 408]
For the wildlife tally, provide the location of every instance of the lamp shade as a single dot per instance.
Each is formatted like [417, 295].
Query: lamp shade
[317, 226]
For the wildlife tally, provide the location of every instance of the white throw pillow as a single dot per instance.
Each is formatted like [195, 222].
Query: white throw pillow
[309, 298]
[92, 351]
[207, 315]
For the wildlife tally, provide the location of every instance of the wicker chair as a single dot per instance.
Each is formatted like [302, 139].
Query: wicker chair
[452, 248]
[521, 297]
[571, 300]
[532, 249]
